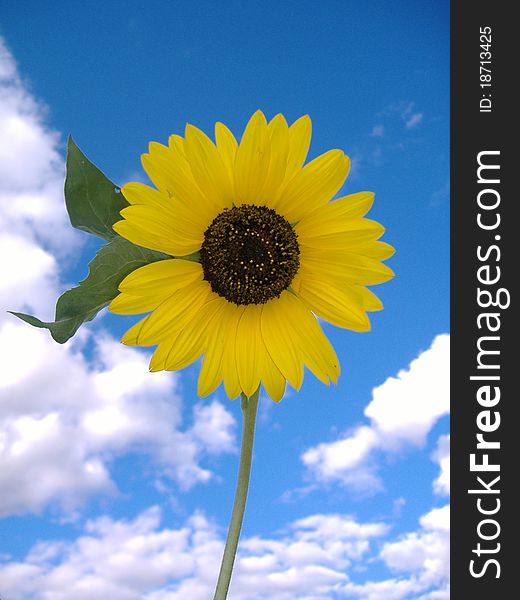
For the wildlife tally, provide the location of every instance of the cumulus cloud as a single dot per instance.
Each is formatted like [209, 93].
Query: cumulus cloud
[28, 276]
[34, 226]
[136, 559]
[441, 456]
[314, 558]
[214, 428]
[121, 560]
[404, 408]
[419, 562]
[64, 419]
[401, 413]
[346, 460]
[31, 166]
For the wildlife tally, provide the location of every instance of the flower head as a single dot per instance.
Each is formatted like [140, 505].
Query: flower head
[258, 252]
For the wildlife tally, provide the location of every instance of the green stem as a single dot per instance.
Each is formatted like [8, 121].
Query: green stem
[249, 407]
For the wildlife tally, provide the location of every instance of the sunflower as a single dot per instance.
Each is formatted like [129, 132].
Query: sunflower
[259, 252]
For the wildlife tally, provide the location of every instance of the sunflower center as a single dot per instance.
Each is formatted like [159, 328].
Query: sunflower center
[250, 254]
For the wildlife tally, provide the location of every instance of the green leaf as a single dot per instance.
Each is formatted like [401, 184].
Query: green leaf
[93, 201]
[110, 266]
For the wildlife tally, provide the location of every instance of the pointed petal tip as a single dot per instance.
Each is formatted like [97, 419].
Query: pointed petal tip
[390, 273]
[304, 120]
[189, 128]
[277, 398]
[203, 389]
[145, 159]
[391, 251]
[191, 132]
[117, 226]
[278, 117]
[258, 115]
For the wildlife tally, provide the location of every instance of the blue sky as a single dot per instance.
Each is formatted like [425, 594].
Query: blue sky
[108, 470]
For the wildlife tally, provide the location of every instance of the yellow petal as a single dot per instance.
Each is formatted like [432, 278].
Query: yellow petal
[143, 236]
[370, 301]
[130, 338]
[280, 339]
[227, 146]
[174, 313]
[211, 372]
[158, 360]
[326, 222]
[229, 364]
[343, 266]
[187, 345]
[158, 222]
[208, 169]
[316, 350]
[125, 304]
[299, 142]
[249, 349]
[362, 241]
[340, 306]
[377, 250]
[279, 135]
[252, 162]
[353, 206]
[158, 165]
[161, 277]
[313, 186]
[179, 228]
[177, 181]
[139, 193]
[176, 144]
[189, 226]
[272, 379]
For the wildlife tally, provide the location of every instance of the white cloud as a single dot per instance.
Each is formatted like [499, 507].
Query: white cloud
[441, 456]
[424, 553]
[214, 428]
[420, 561]
[313, 558]
[64, 419]
[121, 560]
[307, 561]
[344, 454]
[438, 519]
[413, 120]
[402, 412]
[424, 550]
[404, 408]
[31, 166]
[28, 277]
[131, 560]
[345, 459]
[33, 221]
